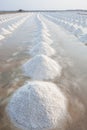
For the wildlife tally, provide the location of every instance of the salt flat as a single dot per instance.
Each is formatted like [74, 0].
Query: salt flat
[70, 53]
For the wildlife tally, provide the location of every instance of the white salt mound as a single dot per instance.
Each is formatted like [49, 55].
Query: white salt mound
[47, 39]
[46, 33]
[10, 28]
[38, 106]
[42, 67]
[1, 37]
[42, 48]
[44, 26]
[5, 31]
[14, 26]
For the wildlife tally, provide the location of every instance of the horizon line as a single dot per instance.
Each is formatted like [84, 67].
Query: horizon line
[44, 10]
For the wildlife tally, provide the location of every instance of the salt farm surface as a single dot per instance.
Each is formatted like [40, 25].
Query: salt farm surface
[65, 32]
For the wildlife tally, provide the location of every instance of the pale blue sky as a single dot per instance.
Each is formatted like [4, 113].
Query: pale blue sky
[42, 4]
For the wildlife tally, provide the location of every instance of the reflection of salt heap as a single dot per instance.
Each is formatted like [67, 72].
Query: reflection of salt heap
[42, 48]
[37, 106]
[42, 67]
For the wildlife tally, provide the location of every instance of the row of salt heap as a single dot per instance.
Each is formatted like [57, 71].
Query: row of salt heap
[39, 105]
[11, 28]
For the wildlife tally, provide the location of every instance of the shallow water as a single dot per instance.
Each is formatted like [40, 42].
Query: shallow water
[70, 54]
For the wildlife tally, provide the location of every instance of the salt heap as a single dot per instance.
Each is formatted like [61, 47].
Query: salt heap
[11, 28]
[1, 37]
[5, 31]
[38, 106]
[42, 67]
[42, 48]
[46, 33]
[14, 26]
[47, 39]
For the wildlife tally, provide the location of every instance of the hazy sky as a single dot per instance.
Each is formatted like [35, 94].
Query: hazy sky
[42, 4]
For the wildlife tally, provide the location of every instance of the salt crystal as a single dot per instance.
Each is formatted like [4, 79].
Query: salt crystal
[38, 106]
[41, 67]
[42, 48]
